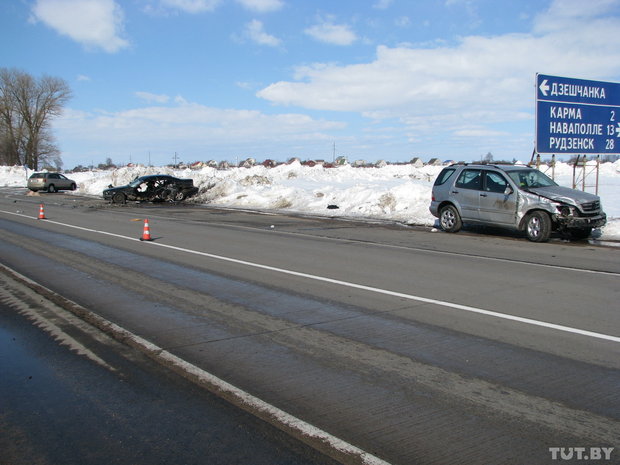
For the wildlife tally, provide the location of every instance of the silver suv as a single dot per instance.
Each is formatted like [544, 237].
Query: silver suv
[513, 196]
[50, 182]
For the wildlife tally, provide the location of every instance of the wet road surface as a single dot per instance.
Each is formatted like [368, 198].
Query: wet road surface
[111, 405]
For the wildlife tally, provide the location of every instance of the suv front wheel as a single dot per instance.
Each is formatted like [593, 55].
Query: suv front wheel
[449, 219]
[538, 226]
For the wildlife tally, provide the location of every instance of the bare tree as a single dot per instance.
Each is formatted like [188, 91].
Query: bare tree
[49, 155]
[26, 108]
[12, 127]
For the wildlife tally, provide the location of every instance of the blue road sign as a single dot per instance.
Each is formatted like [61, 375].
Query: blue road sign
[577, 116]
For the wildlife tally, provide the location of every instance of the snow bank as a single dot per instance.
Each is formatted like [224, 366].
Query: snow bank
[392, 192]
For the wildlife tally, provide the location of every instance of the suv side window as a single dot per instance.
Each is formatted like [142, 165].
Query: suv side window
[470, 179]
[445, 174]
[495, 182]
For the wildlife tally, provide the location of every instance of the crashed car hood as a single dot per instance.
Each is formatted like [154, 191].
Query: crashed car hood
[564, 194]
[114, 189]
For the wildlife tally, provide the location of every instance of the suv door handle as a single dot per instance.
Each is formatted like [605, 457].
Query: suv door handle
[454, 192]
[483, 195]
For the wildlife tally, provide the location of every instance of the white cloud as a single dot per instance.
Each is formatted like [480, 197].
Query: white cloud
[479, 132]
[244, 85]
[186, 123]
[262, 6]
[93, 23]
[149, 97]
[256, 32]
[328, 32]
[402, 21]
[490, 76]
[563, 13]
[382, 4]
[83, 78]
[192, 6]
[480, 90]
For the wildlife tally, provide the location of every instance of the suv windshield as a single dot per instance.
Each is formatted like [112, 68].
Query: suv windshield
[531, 179]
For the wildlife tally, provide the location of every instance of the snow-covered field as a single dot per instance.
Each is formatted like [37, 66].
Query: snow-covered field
[393, 192]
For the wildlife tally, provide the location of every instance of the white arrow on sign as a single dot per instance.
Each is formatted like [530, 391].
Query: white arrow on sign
[544, 88]
[618, 130]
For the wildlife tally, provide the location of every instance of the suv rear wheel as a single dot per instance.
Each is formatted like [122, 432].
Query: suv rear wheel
[449, 219]
[538, 226]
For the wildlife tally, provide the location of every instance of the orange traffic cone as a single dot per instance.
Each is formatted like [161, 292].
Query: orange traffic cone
[146, 235]
[41, 212]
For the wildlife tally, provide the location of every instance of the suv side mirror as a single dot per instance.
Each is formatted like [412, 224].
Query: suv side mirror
[508, 190]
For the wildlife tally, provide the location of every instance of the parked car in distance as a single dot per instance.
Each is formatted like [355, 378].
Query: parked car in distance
[50, 182]
[152, 188]
[513, 196]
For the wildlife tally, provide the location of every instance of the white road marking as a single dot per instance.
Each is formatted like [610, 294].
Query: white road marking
[393, 246]
[233, 394]
[376, 290]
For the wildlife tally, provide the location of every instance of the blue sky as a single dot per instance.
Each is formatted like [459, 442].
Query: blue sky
[232, 79]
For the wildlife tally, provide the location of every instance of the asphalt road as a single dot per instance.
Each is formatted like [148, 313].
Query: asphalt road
[414, 346]
[71, 396]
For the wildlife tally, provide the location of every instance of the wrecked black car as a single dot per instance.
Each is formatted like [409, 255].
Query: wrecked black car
[152, 188]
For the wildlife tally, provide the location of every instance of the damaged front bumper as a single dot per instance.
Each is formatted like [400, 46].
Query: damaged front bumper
[581, 222]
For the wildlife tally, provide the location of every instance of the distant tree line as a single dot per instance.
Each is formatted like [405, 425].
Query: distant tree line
[109, 164]
[490, 159]
[27, 106]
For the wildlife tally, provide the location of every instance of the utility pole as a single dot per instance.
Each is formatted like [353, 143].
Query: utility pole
[175, 158]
